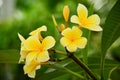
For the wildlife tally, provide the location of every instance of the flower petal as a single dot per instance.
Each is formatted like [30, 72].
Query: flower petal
[66, 32]
[81, 43]
[30, 57]
[64, 41]
[94, 27]
[43, 56]
[82, 11]
[21, 37]
[48, 42]
[93, 19]
[75, 19]
[32, 74]
[31, 68]
[76, 32]
[32, 43]
[72, 47]
[23, 55]
[38, 30]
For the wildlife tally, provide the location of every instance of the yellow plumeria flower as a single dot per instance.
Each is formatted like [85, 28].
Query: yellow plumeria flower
[66, 13]
[31, 68]
[92, 22]
[38, 31]
[38, 50]
[23, 51]
[72, 39]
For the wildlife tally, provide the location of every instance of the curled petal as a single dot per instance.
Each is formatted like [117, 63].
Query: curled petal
[43, 56]
[48, 42]
[75, 19]
[38, 30]
[82, 11]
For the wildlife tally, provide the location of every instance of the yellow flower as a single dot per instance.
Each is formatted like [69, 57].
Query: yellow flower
[31, 68]
[72, 39]
[66, 13]
[23, 51]
[38, 31]
[92, 22]
[38, 50]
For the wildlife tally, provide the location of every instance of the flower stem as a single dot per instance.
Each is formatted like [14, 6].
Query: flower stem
[82, 65]
[66, 24]
[57, 51]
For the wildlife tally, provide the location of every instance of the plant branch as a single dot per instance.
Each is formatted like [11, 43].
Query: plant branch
[82, 65]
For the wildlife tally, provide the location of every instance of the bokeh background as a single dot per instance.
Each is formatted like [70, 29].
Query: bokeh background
[23, 16]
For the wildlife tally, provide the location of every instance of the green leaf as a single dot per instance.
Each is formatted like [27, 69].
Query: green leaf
[111, 30]
[9, 56]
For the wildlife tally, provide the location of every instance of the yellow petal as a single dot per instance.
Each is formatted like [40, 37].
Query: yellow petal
[64, 41]
[32, 43]
[32, 74]
[66, 32]
[81, 43]
[72, 34]
[23, 55]
[38, 30]
[43, 56]
[75, 19]
[31, 56]
[31, 68]
[66, 13]
[71, 48]
[48, 42]
[76, 32]
[21, 37]
[82, 11]
[93, 19]
[94, 27]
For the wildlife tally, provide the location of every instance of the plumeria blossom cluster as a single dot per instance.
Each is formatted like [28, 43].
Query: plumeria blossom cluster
[34, 49]
[72, 37]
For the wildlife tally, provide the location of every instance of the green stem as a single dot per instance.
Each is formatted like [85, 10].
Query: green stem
[79, 62]
[57, 51]
[82, 65]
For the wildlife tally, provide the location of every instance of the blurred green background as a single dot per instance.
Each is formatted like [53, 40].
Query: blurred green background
[23, 16]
